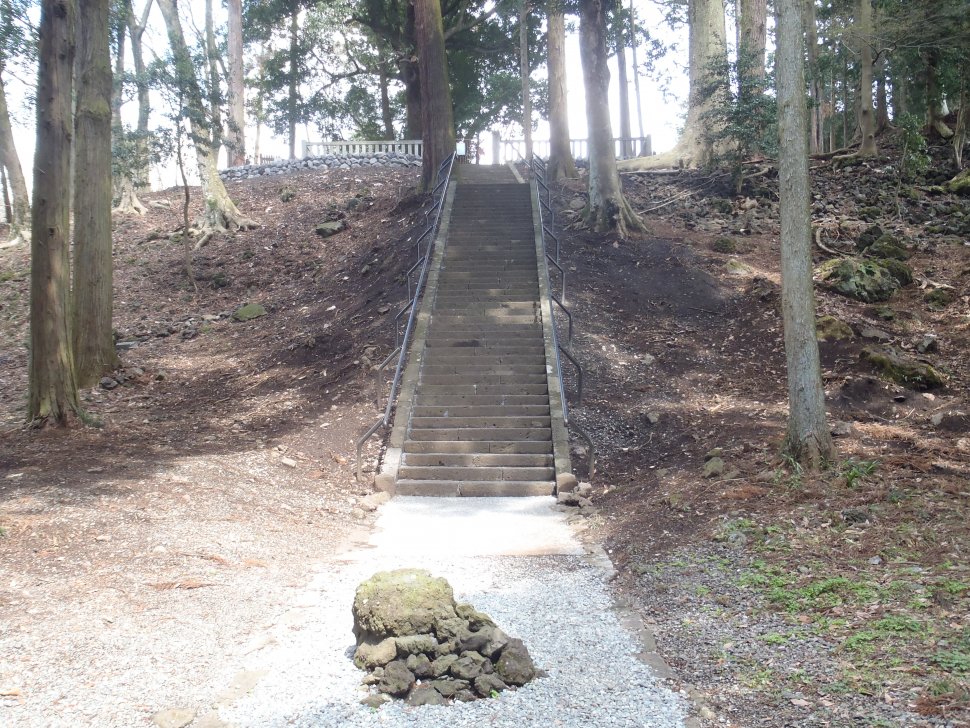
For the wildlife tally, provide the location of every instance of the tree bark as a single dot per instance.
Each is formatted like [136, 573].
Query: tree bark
[626, 146]
[215, 94]
[52, 389]
[808, 440]
[128, 202]
[94, 349]
[561, 162]
[753, 34]
[707, 44]
[811, 43]
[636, 72]
[437, 115]
[934, 95]
[882, 100]
[294, 64]
[237, 88]
[20, 203]
[867, 119]
[524, 76]
[608, 209]
[387, 115]
[221, 212]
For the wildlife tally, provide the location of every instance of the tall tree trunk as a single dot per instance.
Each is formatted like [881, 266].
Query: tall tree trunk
[808, 440]
[215, 91]
[867, 119]
[524, 76]
[387, 115]
[752, 36]
[608, 208]
[626, 146]
[811, 43]
[294, 65]
[900, 86]
[636, 72]
[411, 78]
[94, 349]
[121, 32]
[437, 114]
[962, 130]
[20, 205]
[934, 95]
[561, 163]
[707, 46]
[882, 100]
[136, 178]
[237, 87]
[52, 389]
[221, 212]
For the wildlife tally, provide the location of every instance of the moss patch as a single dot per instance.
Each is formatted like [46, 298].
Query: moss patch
[895, 365]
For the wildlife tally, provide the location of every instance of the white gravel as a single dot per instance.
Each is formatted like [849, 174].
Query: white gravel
[515, 559]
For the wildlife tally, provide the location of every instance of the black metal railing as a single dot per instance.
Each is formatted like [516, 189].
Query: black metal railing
[427, 237]
[546, 224]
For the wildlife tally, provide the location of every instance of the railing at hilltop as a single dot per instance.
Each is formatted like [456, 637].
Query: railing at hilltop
[341, 149]
[513, 150]
[502, 150]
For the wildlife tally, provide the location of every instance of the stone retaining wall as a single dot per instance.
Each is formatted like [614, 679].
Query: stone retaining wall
[384, 159]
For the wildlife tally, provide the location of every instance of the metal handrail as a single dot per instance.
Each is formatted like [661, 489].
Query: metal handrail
[538, 168]
[440, 188]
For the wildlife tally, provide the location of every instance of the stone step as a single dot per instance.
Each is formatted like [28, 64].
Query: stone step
[443, 357]
[480, 447]
[477, 434]
[481, 400]
[476, 372]
[462, 423]
[476, 347]
[473, 473]
[535, 410]
[506, 389]
[475, 489]
[492, 318]
[510, 381]
[503, 460]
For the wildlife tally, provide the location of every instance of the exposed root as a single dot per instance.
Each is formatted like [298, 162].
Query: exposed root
[674, 159]
[612, 215]
[128, 202]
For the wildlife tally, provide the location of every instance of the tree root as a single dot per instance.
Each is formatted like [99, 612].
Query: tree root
[128, 202]
[612, 215]
[18, 239]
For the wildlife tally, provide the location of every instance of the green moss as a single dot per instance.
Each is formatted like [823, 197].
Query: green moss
[724, 245]
[888, 246]
[939, 298]
[895, 366]
[830, 328]
[864, 280]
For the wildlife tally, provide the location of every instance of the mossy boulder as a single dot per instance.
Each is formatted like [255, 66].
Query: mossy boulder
[830, 328]
[959, 185]
[896, 366]
[328, 229]
[287, 194]
[940, 298]
[864, 280]
[870, 213]
[401, 603]
[868, 237]
[888, 246]
[724, 245]
[249, 312]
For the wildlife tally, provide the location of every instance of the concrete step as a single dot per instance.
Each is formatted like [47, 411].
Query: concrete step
[443, 357]
[475, 489]
[437, 423]
[502, 460]
[477, 434]
[475, 347]
[538, 410]
[480, 447]
[473, 372]
[498, 389]
[473, 473]
[506, 382]
[481, 400]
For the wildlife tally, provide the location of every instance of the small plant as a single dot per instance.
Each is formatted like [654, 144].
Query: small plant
[855, 470]
[955, 661]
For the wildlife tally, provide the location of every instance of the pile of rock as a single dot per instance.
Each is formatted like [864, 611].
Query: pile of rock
[330, 161]
[416, 643]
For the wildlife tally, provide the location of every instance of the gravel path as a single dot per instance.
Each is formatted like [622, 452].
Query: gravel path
[513, 558]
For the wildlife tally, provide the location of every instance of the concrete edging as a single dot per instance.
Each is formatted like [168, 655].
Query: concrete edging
[386, 480]
[565, 480]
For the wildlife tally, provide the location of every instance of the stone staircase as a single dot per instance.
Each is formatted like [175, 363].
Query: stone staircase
[479, 420]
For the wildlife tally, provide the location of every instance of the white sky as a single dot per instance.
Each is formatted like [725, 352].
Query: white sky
[661, 116]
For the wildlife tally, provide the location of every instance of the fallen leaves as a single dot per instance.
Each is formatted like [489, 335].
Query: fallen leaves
[181, 584]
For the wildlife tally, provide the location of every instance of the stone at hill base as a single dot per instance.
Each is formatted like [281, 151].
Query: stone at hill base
[902, 369]
[864, 280]
[418, 644]
[327, 229]
[249, 312]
